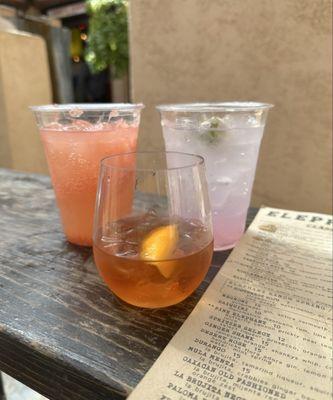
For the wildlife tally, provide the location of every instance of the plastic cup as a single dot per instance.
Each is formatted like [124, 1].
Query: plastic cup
[228, 136]
[76, 137]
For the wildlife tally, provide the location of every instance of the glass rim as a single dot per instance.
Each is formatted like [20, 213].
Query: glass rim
[199, 161]
[87, 107]
[229, 106]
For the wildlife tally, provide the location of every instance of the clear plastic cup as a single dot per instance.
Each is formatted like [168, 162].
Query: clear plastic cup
[76, 137]
[228, 136]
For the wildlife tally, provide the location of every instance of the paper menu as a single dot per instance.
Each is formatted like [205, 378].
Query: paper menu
[263, 328]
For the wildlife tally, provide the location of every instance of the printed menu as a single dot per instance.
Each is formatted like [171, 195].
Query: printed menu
[263, 328]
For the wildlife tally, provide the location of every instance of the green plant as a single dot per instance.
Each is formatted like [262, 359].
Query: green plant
[107, 36]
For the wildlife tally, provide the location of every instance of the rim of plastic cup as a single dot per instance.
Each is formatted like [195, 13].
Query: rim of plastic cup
[230, 106]
[88, 107]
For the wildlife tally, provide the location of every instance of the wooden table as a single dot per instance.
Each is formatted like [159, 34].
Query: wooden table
[62, 332]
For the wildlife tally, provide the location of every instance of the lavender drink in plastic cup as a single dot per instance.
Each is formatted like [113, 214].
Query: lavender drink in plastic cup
[228, 136]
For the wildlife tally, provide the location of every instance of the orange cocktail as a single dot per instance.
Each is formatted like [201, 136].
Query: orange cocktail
[159, 251]
[74, 144]
[155, 262]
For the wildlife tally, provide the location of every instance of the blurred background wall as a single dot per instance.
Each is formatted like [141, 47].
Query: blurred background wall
[277, 51]
[23, 82]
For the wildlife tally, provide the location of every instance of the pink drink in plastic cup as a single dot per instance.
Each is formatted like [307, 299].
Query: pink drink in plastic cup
[76, 138]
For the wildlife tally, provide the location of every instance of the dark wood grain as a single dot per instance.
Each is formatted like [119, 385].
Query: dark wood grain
[62, 332]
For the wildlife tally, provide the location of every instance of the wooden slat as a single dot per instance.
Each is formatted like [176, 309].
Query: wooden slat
[45, 4]
[22, 4]
[40, 4]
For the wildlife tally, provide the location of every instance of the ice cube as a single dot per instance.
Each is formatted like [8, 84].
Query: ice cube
[215, 123]
[56, 126]
[240, 120]
[127, 252]
[185, 123]
[75, 112]
[152, 212]
[224, 180]
[230, 121]
[79, 125]
[113, 113]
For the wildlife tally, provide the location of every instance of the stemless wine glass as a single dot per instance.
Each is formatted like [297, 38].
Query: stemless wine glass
[153, 239]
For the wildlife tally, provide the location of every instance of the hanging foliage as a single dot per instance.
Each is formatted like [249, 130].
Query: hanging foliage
[107, 36]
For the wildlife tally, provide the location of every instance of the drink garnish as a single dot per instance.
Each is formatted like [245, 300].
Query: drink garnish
[158, 246]
[212, 135]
